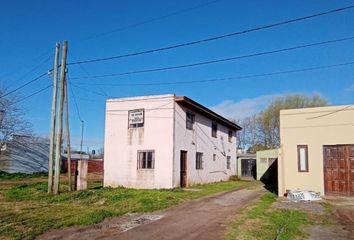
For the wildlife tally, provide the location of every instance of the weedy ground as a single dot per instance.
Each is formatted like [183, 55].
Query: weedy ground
[261, 221]
[26, 210]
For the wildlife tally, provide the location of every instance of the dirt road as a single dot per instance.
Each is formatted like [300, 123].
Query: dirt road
[199, 219]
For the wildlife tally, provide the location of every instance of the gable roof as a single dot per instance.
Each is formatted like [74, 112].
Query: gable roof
[189, 103]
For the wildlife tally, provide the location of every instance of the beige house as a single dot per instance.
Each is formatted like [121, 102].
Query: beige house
[317, 150]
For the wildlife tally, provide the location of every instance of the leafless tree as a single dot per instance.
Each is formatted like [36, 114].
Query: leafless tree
[12, 121]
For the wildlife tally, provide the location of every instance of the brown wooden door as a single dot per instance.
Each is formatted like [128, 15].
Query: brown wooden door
[339, 169]
[183, 180]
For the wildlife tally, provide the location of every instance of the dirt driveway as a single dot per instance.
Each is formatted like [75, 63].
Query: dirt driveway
[198, 219]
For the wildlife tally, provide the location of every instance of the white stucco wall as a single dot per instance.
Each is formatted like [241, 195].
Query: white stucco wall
[121, 144]
[164, 132]
[200, 140]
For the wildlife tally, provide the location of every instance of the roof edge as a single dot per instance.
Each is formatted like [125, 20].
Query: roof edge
[187, 101]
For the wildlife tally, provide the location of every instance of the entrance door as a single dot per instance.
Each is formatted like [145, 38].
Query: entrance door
[183, 180]
[339, 169]
[248, 168]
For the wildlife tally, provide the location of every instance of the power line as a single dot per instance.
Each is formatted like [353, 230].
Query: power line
[35, 59]
[33, 69]
[77, 107]
[223, 79]
[137, 24]
[330, 113]
[218, 60]
[215, 37]
[31, 95]
[24, 85]
[83, 69]
[87, 90]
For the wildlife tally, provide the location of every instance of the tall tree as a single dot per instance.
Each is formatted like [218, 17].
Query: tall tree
[262, 131]
[12, 121]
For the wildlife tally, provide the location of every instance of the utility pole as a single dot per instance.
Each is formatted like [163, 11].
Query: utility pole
[82, 137]
[53, 121]
[60, 122]
[67, 131]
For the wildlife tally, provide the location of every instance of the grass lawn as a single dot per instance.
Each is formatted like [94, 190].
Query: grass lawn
[261, 221]
[26, 210]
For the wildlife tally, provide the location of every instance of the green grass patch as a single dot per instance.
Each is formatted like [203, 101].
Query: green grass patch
[28, 211]
[15, 176]
[260, 221]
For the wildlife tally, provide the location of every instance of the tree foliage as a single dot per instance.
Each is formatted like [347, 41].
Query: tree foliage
[262, 130]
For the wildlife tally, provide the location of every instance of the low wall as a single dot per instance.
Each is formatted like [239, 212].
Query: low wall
[94, 166]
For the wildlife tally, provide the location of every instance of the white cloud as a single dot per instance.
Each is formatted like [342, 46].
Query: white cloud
[350, 88]
[243, 108]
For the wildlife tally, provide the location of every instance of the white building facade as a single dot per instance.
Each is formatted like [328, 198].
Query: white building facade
[166, 141]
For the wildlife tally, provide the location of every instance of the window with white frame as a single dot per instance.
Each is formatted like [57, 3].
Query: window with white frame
[199, 160]
[146, 159]
[214, 157]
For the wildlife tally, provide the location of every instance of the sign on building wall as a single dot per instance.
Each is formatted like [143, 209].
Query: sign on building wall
[136, 118]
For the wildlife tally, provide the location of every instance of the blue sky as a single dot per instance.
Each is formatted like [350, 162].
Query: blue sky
[29, 30]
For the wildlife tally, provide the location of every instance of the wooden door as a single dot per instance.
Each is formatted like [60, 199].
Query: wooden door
[339, 169]
[183, 181]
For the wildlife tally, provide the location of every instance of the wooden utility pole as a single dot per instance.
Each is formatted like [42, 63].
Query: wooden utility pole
[82, 137]
[53, 121]
[67, 131]
[60, 120]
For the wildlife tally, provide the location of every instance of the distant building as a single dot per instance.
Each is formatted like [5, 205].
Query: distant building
[94, 165]
[246, 165]
[317, 150]
[25, 154]
[166, 141]
[265, 159]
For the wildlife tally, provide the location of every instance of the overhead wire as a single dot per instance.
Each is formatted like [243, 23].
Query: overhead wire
[83, 69]
[215, 37]
[33, 69]
[140, 23]
[75, 102]
[24, 85]
[222, 79]
[31, 95]
[332, 112]
[219, 60]
[87, 90]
